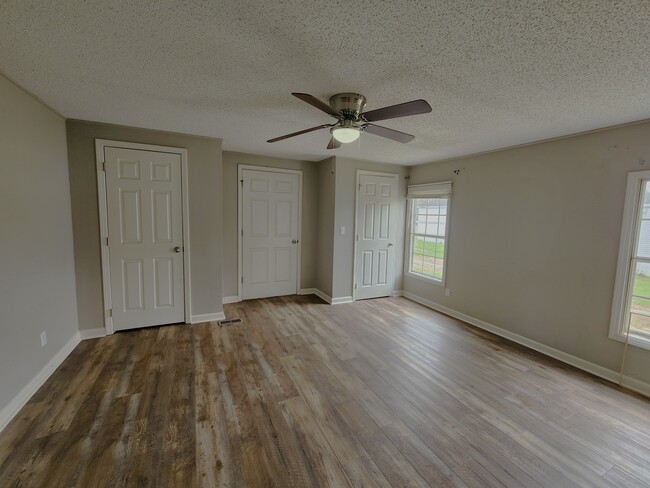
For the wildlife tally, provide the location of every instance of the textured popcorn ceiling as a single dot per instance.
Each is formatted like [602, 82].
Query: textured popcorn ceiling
[497, 73]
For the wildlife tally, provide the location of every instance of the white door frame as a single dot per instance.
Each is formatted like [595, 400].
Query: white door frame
[360, 172]
[100, 145]
[240, 223]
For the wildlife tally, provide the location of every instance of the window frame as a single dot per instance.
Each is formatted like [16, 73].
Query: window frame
[630, 229]
[410, 234]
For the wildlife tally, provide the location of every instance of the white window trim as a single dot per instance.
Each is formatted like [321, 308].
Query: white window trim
[629, 236]
[409, 250]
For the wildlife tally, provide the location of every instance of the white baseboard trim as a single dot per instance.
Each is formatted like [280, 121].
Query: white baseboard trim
[207, 317]
[235, 299]
[317, 292]
[10, 410]
[327, 298]
[307, 291]
[92, 333]
[398, 293]
[595, 369]
[340, 300]
[322, 295]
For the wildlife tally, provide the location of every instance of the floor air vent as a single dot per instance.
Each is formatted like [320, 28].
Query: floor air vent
[229, 322]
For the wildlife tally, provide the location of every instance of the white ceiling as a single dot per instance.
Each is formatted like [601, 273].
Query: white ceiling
[497, 73]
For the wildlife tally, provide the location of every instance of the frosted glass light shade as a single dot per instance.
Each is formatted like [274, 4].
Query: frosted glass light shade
[345, 134]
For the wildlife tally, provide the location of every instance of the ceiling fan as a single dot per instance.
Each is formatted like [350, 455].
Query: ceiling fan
[347, 108]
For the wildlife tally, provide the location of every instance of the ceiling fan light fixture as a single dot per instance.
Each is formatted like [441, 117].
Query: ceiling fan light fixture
[346, 134]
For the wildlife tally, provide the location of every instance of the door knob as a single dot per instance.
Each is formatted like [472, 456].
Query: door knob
[177, 249]
[390, 244]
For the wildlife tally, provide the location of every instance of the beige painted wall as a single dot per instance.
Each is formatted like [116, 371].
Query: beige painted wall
[534, 237]
[309, 240]
[345, 207]
[326, 204]
[37, 281]
[204, 172]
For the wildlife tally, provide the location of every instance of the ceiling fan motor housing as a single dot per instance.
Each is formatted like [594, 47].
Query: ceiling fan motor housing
[349, 105]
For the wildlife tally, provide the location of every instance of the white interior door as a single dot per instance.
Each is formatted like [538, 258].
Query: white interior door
[145, 237]
[375, 236]
[270, 203]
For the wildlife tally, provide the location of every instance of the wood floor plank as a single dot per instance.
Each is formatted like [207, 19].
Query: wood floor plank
[433, 469]
[14, 439]
[359, 467]
[395, 467]
[258, 411]
[215, 466]
[377, 393]
[500, 448]
[429, 433]
[512, 440]
[179, 447]
[619, 477]
[322, 460]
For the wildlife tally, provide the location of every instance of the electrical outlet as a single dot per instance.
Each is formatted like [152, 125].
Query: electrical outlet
[447, 292]
[43, 339]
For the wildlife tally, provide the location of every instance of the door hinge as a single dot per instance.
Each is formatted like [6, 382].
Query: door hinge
[359, 186]
[107, 240]
[104, 167]
[242, 279]
[110, 312]
[241, 182]
[355, 286]
[357, 237]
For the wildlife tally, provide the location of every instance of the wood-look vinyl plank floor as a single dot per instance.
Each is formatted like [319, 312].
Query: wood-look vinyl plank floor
[377, 393]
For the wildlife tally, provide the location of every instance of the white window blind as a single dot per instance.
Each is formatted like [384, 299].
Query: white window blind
[430, 190]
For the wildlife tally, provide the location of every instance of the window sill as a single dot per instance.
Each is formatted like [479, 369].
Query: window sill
[635, 340]
[425, 278]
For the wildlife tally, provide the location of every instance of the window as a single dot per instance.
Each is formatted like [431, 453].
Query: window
[631, 306]
[428, 225]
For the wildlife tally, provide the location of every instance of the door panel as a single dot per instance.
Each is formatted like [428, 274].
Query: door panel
[164, 282]
[369, 222]
[270, 203]
[143, 196]
[130, 217]
[259, 218]
[283, 224]
[283, 256]
[366, 271]
[384, 221]
[259, 263]
[382, 267]
[133, 283]
[375, 254]
[162, 217]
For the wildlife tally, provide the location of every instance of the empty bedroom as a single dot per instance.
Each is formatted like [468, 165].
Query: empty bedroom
[325, 244]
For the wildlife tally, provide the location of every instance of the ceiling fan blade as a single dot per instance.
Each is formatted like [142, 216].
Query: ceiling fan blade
[319, 104]
[393, 135]
[294, 134]
[400, 110]
[334, 144]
